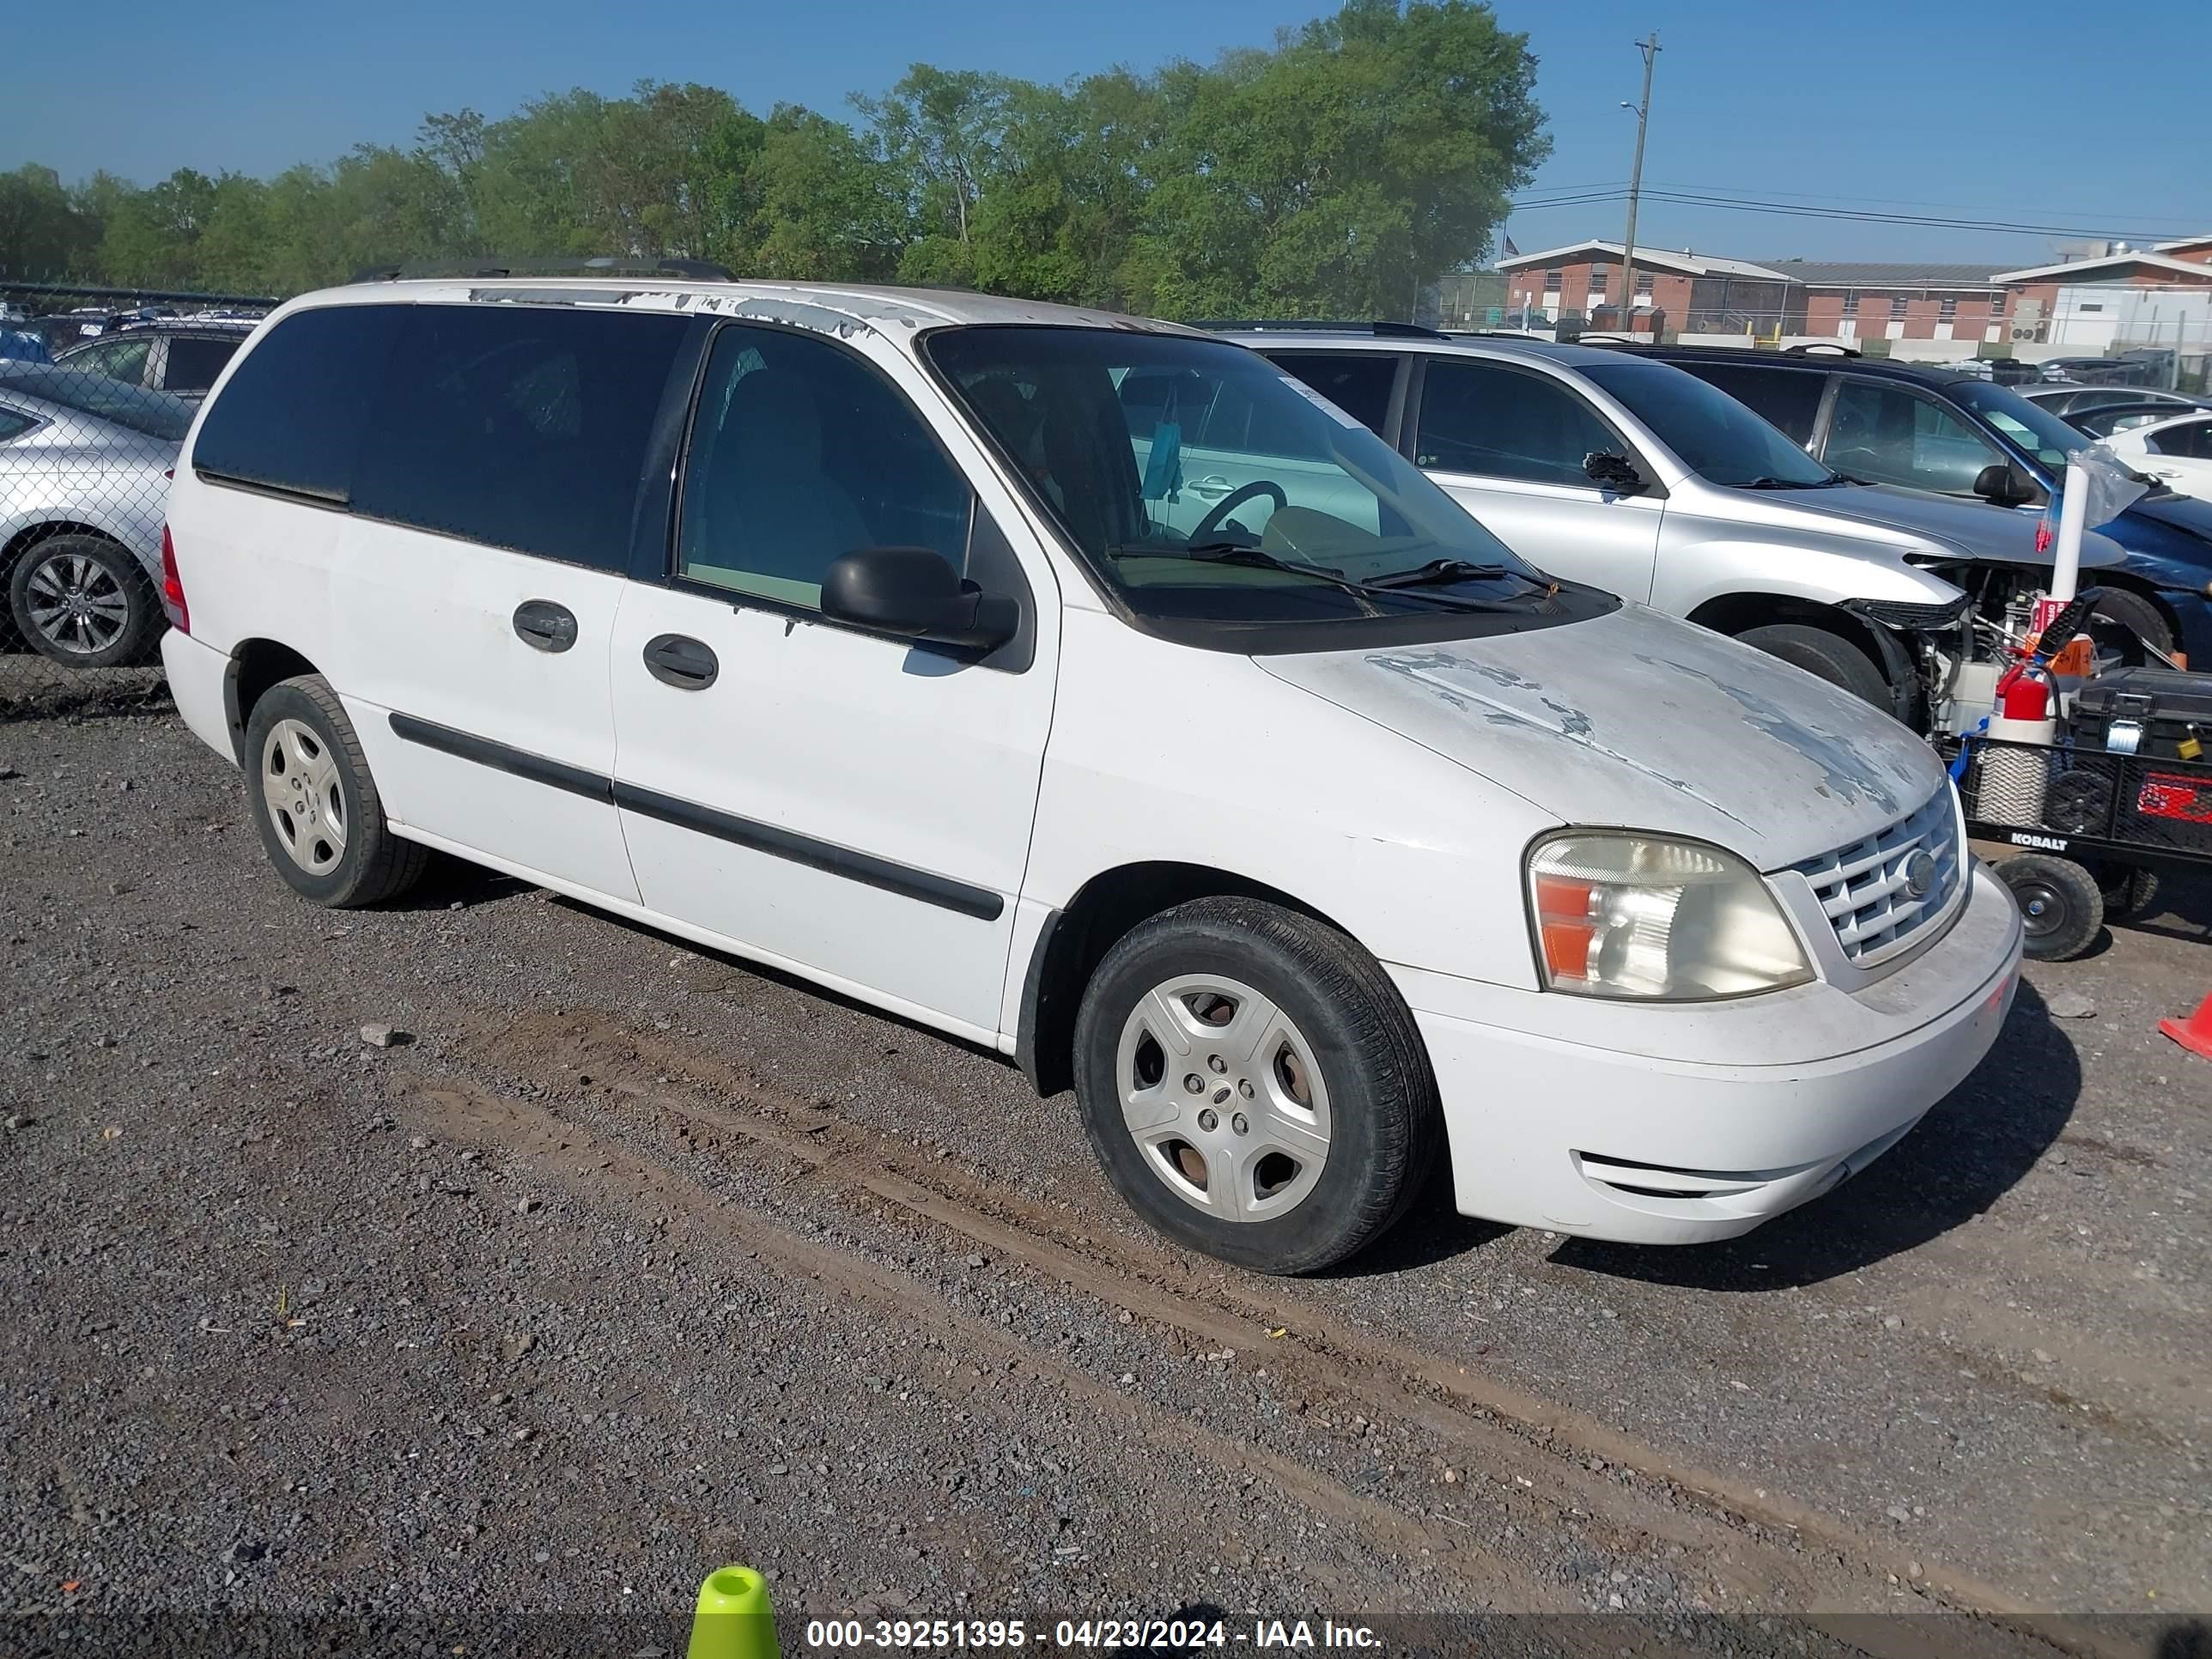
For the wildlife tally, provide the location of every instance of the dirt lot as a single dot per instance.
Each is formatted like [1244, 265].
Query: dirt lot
[623, 1260]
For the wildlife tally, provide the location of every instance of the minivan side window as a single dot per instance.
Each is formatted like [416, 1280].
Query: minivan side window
[1888, 434]
[802, 452]
[525, 426]
[291, 419]
[1502, 423]
[1788, 398]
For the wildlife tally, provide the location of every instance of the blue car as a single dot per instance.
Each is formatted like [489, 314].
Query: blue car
[1947, 430]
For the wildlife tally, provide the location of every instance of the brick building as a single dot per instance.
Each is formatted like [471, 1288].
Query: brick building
[1700, 294]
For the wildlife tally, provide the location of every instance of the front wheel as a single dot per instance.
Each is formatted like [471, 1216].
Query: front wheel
[2061, 906]
[1826, 656]
[1254, 1084]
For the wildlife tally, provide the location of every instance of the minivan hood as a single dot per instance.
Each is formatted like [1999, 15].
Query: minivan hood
[1636, 720]
[1976, 529]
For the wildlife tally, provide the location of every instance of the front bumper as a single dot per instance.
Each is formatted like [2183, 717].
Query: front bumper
[1677, 1125]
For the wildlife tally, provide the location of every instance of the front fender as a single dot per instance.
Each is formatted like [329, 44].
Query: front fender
[1823, 570]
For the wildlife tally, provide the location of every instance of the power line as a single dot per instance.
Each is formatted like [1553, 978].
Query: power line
[1884, 201]
[1860, 216]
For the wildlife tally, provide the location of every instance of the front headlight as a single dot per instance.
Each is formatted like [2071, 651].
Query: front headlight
[1628, 915]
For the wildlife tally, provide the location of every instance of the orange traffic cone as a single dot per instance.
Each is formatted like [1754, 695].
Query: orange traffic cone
[2195, 1033]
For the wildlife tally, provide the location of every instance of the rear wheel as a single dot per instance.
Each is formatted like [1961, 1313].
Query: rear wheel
[1254, 1084]
[1825, 656]
[315, 803]
[85, 601]
[2061, 905]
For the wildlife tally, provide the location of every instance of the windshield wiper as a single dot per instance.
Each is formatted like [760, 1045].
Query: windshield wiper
[1238, 553]
[1443, 570]
[1786, 483]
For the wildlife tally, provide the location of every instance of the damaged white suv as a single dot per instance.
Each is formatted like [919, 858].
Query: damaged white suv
[1315, 841]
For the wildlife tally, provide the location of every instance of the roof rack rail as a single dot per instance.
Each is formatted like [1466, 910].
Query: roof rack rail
[1821, 348]
[1317, 325]
[696, 270]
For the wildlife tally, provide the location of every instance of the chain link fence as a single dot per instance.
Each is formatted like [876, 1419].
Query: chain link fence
[97, 389]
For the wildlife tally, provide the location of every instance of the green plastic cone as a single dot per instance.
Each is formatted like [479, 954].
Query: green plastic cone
[734, 1620]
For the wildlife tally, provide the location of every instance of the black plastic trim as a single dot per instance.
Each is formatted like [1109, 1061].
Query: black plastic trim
[903, 879]
[942, 891]
[1029, 1019]
[519, 762]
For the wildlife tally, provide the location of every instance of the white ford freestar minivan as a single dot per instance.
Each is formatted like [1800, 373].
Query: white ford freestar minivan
[863, 634]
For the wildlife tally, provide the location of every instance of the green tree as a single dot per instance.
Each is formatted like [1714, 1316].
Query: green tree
[43, 233]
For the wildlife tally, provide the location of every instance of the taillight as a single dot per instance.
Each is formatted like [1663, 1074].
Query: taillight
[172, 586]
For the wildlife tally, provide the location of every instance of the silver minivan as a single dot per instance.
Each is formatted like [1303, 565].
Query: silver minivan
[1639, 478]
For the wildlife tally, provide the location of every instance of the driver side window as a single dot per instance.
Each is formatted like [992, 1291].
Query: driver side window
[1497, 422]
[1888, 434]
[800, 452]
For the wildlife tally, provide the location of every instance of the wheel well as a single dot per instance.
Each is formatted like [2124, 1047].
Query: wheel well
[1733, 613]
[30, 535]
[2143, 591]
[255, 666]
[1737, 613]
[1077, 939]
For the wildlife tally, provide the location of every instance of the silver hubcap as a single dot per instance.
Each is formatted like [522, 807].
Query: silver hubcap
[77, 604]
[299, 786]
[1220, 1092]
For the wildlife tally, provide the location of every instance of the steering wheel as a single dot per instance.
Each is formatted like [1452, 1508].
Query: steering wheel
[1236, 498]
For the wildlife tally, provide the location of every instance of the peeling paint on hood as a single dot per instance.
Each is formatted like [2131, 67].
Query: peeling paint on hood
[1636, 720]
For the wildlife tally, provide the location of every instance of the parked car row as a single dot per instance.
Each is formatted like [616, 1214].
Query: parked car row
[1622, 471]
[1936, 430]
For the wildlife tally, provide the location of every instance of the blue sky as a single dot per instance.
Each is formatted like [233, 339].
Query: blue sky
[1929, 107]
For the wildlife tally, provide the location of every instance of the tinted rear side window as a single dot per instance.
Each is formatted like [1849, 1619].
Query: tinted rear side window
[292, 416]
[1358, 383]
[1788, 398]
[524, 427]
[195, 361]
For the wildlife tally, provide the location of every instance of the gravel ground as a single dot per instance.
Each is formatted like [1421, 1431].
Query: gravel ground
[622, 1260]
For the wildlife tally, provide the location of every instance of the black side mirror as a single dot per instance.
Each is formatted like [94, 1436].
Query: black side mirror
[913, 593]
[1610, 470]
[2005, 484]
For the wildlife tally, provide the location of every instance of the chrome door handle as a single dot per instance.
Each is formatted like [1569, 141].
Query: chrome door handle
[1211, 489]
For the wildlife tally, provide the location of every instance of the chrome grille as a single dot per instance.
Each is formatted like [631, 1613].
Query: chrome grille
[1862, 887]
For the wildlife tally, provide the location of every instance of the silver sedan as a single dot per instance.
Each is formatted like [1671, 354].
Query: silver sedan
[84, 466]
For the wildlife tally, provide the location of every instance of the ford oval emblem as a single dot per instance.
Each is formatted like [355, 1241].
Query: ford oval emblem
[1919, 874]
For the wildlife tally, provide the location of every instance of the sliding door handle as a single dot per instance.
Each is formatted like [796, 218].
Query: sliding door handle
[679, 660]
[545, 626]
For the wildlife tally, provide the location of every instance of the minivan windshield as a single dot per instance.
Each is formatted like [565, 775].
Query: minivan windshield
[1205, 485]
[1712, 434]
[157, 414]
[2029, 426]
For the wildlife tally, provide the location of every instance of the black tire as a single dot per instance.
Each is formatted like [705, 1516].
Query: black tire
[97, 574]
[2060, 904]
[2128, 893]
[371, 865]
[1825, 656]
[2123, 622]
[1385, 1127]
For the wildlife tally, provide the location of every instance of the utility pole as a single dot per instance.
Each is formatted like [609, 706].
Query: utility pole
[1650, 50]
